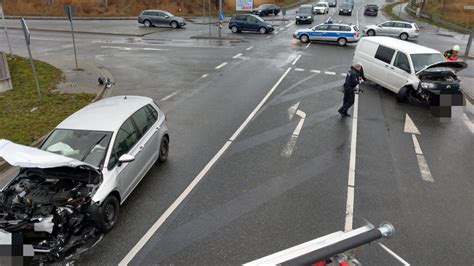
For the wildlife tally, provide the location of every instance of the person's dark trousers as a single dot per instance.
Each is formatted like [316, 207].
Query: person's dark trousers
[348, 100]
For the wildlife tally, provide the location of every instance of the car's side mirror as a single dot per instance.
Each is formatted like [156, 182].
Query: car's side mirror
[380, 26]
[296, 11]
[126, 158]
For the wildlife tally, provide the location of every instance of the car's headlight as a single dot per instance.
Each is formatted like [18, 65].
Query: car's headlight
[309, 16]
[268, 25]
[427, 85]
[297, 16]
[349, 10]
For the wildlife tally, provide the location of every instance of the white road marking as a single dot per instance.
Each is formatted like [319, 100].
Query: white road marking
[117, 47]
[292, 110]
[330, 73]
[296, 60]
[422, 164]
[268, 37]
[400, 259]
[275, 32]
[416, 144]
[282, 28]
[290, 145]
[205, 75]
[410, 126]
[468, 123]
[198, 178]
[316, 71]
[170, 96]
[299, 69]
[289, 24]
[154, 49]
[237, 55]
[308, 45]
[343, 74]
[221, 65]
[352, 167]
[249, 48]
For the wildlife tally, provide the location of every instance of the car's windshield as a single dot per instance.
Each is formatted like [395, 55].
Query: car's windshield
[421, 61]
[259, 18]
[305, 10]
[263, 6]
[168, 14]
[321, 5]
[87, 146]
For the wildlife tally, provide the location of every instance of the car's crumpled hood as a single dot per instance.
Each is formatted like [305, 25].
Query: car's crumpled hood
[455, 66]
[29, 157]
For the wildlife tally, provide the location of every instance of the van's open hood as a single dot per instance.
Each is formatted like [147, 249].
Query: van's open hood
[455, 66]
[29, 157]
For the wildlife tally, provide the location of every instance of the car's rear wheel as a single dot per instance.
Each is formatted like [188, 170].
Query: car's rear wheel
[371, 33]
[304, 38]
[262, 30]
[174, 24]
[234, 29]
[147, 23]
[109, 213]
[164, 150]
[404, 36]
[342, 41]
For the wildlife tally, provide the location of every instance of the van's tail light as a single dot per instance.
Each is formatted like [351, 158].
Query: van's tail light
[356, 34]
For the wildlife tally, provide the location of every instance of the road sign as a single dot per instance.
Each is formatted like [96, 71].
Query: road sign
[468, 7]
[26, 31]
[69, 11]
[221, 15]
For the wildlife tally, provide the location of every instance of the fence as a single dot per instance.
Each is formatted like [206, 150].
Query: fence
[437, 19]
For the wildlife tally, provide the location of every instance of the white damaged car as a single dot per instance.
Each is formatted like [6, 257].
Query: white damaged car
[65, 194]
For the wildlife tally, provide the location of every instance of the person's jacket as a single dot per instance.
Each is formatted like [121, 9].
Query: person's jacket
[352, 79]
[449, 55]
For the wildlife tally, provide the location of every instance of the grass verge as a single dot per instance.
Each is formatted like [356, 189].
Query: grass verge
[388, 9]
[19, 123]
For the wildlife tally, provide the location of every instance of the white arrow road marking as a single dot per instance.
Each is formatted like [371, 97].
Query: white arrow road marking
[292, 110]
[410, 126]
[290, 145]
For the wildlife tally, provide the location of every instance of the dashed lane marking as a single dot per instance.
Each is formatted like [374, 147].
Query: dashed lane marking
[308, 45]
[249, 48]
[299, 69]
[282, 28]
[315, 71]
[205, 75]
[221, 65]
[343, 74]
[170, 96]
[237, 55]
[296, 60]
[330, 73]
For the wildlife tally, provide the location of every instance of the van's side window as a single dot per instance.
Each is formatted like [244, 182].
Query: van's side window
[401, 61]
[384, 54]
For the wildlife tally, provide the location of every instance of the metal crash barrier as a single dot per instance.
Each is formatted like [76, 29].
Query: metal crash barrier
[335, 246]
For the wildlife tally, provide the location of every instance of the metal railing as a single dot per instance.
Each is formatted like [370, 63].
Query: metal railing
[437, 19]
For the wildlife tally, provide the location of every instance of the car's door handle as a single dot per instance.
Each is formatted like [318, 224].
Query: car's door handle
[392, 68]
[386, 65]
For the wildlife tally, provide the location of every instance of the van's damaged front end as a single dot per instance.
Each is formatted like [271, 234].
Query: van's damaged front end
[47, 202]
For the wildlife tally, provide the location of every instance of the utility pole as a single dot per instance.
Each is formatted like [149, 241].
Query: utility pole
[5, 27]
[469, 42]
[209, 6]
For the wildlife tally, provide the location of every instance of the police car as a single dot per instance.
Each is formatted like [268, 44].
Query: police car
[330, 32]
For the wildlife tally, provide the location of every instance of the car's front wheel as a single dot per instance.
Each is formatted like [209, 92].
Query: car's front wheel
[342, 42]
[147, 23]
[404, 36]
[371, 33]
[109, 213]
[262, 30]
[234, 29]
[402, 94]
[164, 150]
[174, 24]
[304, 38]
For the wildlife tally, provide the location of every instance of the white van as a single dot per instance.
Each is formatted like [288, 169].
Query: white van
[408, 69]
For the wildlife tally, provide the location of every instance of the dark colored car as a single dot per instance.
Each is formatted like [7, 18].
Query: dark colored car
[248, 22]
[304, 14]
[371, 10]
[266, 9]
[158, 17]
[332, 3]
[346, 9]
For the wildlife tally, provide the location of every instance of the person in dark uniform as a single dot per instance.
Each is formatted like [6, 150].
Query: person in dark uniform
[355, 75]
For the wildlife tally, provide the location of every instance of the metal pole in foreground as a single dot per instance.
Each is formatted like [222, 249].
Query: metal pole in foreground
[69, 12]
[27, 38]
[209, 5]
[400, 10]
[220, 17]
[469, 42]
[5, 28]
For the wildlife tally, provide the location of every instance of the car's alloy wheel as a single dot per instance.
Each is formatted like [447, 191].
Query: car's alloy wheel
[404, 36]
[262, 30]
[304, 38]
[371, 33]
[164, 150]
[342, 41]
[174, 24]
[110, 212]
[234, 29]
[147, 23]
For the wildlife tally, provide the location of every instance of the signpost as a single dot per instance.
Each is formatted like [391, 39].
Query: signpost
[221, 17]
[27, 39]
[5, 27]
[69, 11]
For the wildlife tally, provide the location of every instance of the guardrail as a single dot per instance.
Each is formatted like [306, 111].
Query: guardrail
[437, 19]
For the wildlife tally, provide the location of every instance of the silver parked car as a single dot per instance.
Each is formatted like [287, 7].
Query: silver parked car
[158, 17]
[68, 192]
[400, 29]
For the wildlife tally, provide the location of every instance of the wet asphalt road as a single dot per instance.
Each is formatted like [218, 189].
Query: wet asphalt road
[254, 201]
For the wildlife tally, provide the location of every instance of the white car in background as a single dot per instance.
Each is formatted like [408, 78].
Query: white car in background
[67, 193]
[321, 8]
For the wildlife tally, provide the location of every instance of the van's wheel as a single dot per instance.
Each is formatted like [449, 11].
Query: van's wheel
[371, 33]
[402, 94]
[304, 38]
[174, 24]
[109, 213]
[164, 150]
[342, 42]
[234, 29]
[147, 23]
[262, 30]
[404, 36]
